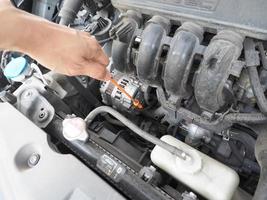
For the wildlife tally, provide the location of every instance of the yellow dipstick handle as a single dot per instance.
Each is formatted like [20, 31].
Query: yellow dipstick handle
[136, 102]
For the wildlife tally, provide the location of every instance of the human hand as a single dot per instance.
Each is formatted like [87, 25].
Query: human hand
[59, 48]
[71, 52]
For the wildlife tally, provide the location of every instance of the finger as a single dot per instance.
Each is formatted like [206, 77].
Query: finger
[102, 58]
[97, 54]
[108, 76]
[96, 71]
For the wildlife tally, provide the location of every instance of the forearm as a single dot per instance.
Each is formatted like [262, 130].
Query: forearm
[21, 31]
[10, 31]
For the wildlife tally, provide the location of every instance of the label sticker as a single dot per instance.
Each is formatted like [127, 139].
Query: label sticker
[111, 167]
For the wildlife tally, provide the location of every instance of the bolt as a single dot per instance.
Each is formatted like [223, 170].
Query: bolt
[43, 115]
[34, 159]
[84, 79]
[27, 94]
[138, 39]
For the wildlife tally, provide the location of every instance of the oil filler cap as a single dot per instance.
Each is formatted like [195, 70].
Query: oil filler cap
[17, 69]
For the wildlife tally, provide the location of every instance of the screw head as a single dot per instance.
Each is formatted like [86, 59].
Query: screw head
[34, 159]
[43, 115]
[27, 94]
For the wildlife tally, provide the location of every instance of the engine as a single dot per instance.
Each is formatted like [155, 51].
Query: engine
[199, 70]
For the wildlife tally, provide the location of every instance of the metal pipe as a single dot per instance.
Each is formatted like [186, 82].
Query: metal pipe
[105, 109]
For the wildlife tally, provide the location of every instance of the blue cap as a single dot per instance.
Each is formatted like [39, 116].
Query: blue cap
[15, 67]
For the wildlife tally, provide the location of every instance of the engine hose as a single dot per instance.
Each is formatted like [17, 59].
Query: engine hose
[223, 123]
[216, 126]
[105, 109]
[247, 118]
[69, 11]
[257, 89]
[261, 156]
[252, 62]
[262, 55]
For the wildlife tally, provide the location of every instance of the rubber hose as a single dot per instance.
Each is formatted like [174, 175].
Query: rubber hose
[69, 11]
[136, 129]
[216, 126]
[222, 123]
[247, 118]
[257, 89]
[252, 63]
[262, 55]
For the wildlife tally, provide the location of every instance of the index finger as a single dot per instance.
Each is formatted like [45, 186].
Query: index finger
[101, 57]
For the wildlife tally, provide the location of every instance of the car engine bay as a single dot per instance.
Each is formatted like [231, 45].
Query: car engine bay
[199, 69]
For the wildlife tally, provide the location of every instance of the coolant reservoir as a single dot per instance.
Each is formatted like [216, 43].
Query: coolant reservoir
[200, 172]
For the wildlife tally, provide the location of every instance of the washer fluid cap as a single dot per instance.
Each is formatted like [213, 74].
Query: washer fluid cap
[15, 68]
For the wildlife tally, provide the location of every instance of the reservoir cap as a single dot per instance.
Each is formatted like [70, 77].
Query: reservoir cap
[15, 67]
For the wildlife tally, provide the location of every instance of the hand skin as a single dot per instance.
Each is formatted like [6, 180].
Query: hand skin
[59, 48]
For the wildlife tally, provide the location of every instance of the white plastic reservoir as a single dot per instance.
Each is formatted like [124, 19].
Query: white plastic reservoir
[208, 177]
